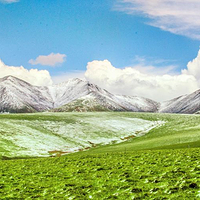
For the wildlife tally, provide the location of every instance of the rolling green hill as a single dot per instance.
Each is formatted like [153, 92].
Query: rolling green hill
[163, 163]
[43, 134]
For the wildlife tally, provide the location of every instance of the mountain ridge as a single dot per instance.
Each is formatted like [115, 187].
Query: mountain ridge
[75, 94]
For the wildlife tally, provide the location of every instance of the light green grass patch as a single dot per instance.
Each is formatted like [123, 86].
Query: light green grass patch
[150, 174]
[43, 133]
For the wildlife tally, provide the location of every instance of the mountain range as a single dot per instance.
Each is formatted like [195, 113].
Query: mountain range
[17, 95]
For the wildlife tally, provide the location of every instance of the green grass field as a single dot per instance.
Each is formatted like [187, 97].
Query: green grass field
[38, 134]
[162, 164]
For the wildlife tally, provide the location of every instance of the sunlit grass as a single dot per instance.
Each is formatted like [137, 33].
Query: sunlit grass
[134, 175]
[163, 164]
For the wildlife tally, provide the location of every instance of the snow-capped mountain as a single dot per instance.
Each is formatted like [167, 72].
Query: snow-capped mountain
[19, 96]
[187, 104]
[76, 94]
[96, 101]
[67, 91]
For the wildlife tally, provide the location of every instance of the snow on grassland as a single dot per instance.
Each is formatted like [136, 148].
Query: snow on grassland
[38, 137]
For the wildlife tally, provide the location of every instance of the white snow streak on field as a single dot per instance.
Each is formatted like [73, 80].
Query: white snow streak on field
[36, 138]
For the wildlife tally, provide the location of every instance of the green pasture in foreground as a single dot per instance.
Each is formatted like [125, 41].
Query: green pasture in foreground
[150, 174]
[163, 164]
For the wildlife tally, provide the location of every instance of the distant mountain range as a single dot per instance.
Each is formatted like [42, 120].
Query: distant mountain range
[18, 96]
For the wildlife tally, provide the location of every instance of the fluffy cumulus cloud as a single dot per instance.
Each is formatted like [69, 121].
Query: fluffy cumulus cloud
[137, 81]
[33, 76]
[9, 1]
[49, 60]
[177, 16]
[193, 68]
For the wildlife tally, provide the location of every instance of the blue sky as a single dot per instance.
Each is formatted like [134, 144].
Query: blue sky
[77, 32]
[85, 31]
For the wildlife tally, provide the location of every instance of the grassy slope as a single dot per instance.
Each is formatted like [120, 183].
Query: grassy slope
[81, 105]
[116, 171]
[37, 134]
[179, 131]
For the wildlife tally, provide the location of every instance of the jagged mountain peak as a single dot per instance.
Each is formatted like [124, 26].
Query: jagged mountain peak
[17, 95]
[14, 81]
[73, 89]
[95, 88]
[189, 103]
[9, 77]
[70, 81]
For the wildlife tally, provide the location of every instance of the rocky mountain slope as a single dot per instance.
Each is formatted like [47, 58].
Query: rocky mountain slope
[187, 104]
[77, 95]
[19, 96]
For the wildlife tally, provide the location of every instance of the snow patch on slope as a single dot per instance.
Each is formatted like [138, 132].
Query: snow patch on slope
[38, 137]
[19, 96]
[187, 104]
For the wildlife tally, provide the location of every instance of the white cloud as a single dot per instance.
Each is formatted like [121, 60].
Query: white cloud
[9, 1]
[140, 80]
[176, 16]
[33, 76]
[134, 81]
[49, 60]
[193, 67]
[152, 70]
[150, 67]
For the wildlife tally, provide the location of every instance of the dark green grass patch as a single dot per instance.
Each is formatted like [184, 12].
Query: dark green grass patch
[150, 174]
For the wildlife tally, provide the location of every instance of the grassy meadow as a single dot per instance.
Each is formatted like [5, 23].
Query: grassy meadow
[158, 160]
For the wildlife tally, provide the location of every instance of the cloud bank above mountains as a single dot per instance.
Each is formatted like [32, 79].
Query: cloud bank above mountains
[146, 81]
[139, 80]
[131, 81]
[33, 76]
[176, 16]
